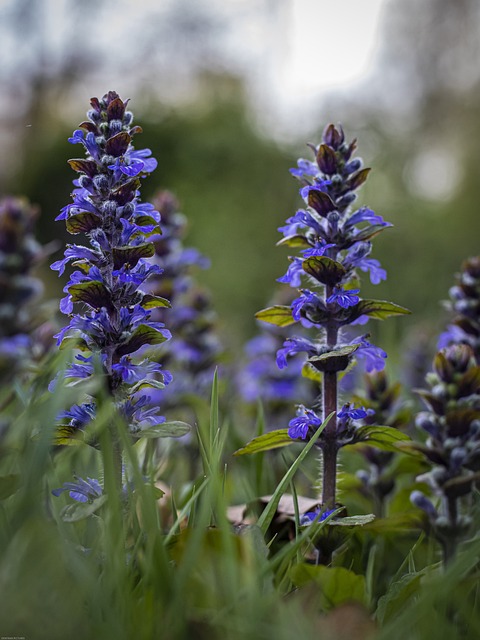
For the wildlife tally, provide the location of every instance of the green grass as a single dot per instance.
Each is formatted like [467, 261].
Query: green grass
[139, 567]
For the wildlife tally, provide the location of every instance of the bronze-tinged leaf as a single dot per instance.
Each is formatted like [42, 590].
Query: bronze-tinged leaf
[295, 240]
[434, 455]
[136, 129]
[83, 222]
[433, 403]
[460, 486]
[95, 104]
[88, 126]
[142, 335]
[115, 110]
[151, 302]
[70, 342]
[358, 179]
[469, 382]
[118, 144]
[89, 167]
[145, 220]
[327, 160]
[333, 137]
[324, 269]
[334, 361]
[131, 255]
[351, 149]
[126, 192]
[321, 202]
[459, 421]
[381, 437]
[94, 293]
[370, 232]
[443, 367]
[279, 315]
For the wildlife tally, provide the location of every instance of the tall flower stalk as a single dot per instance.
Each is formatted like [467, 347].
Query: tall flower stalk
[452, 418]
[194, 349]
[335, 245]
[465, 304]
[20, 253]
[452, 449]
[109, 314]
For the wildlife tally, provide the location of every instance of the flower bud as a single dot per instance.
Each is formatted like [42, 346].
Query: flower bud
[420, 500]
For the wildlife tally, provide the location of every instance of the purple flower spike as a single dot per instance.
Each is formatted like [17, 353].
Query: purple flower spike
[334, 245]
[109, 315]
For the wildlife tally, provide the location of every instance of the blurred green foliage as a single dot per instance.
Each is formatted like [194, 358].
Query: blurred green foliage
[234, 186]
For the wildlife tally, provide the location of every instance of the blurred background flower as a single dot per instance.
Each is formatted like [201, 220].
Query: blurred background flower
[228, 94]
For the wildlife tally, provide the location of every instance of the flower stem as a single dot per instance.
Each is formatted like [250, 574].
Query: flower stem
[329, 445]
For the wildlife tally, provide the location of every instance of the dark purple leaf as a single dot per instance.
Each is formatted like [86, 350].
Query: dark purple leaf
[115, 110]
[89, 167]
[131, 255]
[118, 144]
[83, 222]
[321, 202]
[324, 269]
[93, 293]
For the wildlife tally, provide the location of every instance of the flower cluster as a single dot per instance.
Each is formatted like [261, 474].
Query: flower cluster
[194, 348]
[20, 253]
[335, 245]
[465, 303]
[110, 315]
[452, 449]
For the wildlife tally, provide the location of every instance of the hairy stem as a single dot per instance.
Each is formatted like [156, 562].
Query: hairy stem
[329, 446]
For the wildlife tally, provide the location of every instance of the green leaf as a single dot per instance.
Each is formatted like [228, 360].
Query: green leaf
[150, 383]
[337, 584]
[151, 302]
[397, 523]
[70, 342]
[94, 293]
[279, 315]
[397, 597]
[83, 222]
[324, 269]
[381, 437]
[142, 335]
[379, 309]
[352, 521]
[76, 512]
[9, 484]
[295, 240]
[310, 373]
[131, 255]
[266, 442]
[174, 429]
